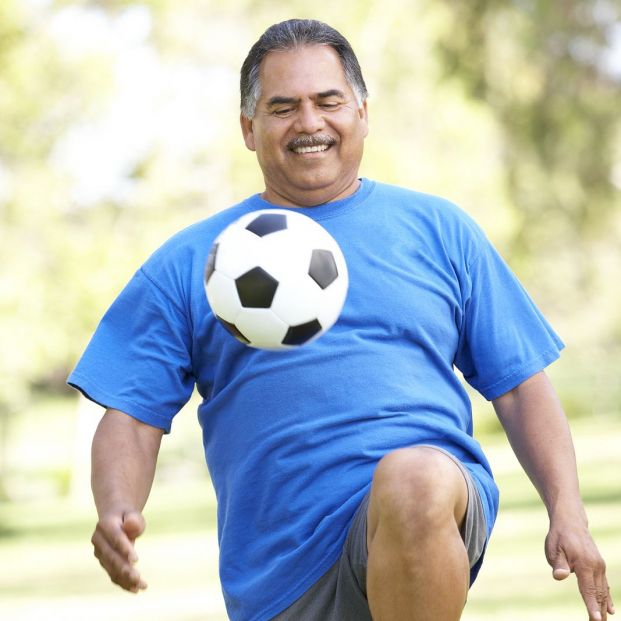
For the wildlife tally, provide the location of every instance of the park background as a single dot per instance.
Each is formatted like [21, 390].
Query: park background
[119, 126]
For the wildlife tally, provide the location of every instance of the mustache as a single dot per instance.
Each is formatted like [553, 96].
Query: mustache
[311, 141]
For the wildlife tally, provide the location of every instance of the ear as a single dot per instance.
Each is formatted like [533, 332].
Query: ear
[247, 132]
[364, 118]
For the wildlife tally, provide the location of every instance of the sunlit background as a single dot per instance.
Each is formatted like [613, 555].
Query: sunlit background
[119, 126]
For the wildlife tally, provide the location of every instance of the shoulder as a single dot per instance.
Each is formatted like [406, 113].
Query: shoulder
[176, 269]
[204, 231]
[423, 203]
[196, 239]
[436, 214]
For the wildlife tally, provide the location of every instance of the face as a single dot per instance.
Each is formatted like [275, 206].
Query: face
[308, 130]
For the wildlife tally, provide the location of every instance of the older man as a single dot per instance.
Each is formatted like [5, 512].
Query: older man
[349, 484]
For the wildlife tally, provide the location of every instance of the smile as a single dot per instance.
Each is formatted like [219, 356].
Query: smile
[314, 149]
[318, 143]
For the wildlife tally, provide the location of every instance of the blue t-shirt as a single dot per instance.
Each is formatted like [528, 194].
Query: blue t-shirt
[292, 438]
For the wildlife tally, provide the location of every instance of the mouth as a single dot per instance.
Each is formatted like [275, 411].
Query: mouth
[317, 149]
[311, 144]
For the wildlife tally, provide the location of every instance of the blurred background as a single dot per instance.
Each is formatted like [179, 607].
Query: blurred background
[119, 126]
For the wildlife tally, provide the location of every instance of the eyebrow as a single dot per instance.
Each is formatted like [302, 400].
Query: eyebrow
[279, 100]
[331, 93]
[275, 101]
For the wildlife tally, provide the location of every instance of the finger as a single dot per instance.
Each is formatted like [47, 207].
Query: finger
[594, 594]
[602, 593]
[560, 573]
[120, 570]
[111, 529]
[610, 604]
[605, 602]
[607, 605]
[560, 568]
[133, 524]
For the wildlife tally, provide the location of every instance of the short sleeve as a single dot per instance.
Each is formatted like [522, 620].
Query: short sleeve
[505, 339]
[138, 360]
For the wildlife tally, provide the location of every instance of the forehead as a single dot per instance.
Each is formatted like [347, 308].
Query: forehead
[302, 71]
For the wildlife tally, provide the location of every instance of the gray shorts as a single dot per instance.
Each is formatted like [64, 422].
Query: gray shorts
[340, 594]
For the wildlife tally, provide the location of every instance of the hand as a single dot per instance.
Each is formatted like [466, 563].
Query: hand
[572, 550]
[113, 541]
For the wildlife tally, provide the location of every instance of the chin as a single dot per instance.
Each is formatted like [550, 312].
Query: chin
[319, 180]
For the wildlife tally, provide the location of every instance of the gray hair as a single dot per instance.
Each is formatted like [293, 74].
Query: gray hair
[289, 35]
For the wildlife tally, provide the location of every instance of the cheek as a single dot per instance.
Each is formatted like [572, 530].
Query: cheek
[269, 143]
[352, 127]
[354, 139]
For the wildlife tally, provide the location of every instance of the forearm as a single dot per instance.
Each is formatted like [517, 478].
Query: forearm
[124, 455]
[539, 434]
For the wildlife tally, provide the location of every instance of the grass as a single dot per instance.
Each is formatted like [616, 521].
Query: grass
[48, 571]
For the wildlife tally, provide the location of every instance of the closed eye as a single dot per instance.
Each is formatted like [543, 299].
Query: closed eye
[282, 111]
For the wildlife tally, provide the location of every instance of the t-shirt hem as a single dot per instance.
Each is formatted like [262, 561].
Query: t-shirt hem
[312, 577]
[294, 595]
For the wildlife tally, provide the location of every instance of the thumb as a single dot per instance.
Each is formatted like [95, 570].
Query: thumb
[133, 524]
[560, 567]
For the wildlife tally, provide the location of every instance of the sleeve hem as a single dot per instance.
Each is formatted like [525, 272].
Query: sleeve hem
[515, 378]
[96, 394]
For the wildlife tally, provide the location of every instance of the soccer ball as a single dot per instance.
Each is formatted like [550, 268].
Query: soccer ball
[276, 279]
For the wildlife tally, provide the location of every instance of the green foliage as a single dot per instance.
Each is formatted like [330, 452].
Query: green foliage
[541, 68]
[42, 94]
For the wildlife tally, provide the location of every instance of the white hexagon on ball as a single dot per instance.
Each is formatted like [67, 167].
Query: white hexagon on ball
[276, 279]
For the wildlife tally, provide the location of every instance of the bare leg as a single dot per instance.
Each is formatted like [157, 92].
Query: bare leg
[418, 566]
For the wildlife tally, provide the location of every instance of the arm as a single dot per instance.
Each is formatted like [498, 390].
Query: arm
[537, 429]
[124, 455]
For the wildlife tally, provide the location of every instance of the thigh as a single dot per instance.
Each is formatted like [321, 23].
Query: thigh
[473, 528]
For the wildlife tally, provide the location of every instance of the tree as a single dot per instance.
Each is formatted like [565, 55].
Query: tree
[544, 69]
[41, 94]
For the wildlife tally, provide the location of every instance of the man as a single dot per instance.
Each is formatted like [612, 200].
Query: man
[349, 485]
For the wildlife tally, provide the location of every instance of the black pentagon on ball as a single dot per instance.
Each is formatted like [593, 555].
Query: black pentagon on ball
[268, 223]
[234, 330]
[256, 288]
[297, 335]
[210, 266]
[323, 268]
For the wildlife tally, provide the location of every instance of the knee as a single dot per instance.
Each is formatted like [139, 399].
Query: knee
[416, 490]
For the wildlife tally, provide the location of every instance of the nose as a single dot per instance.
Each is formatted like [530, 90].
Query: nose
[309, 119]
